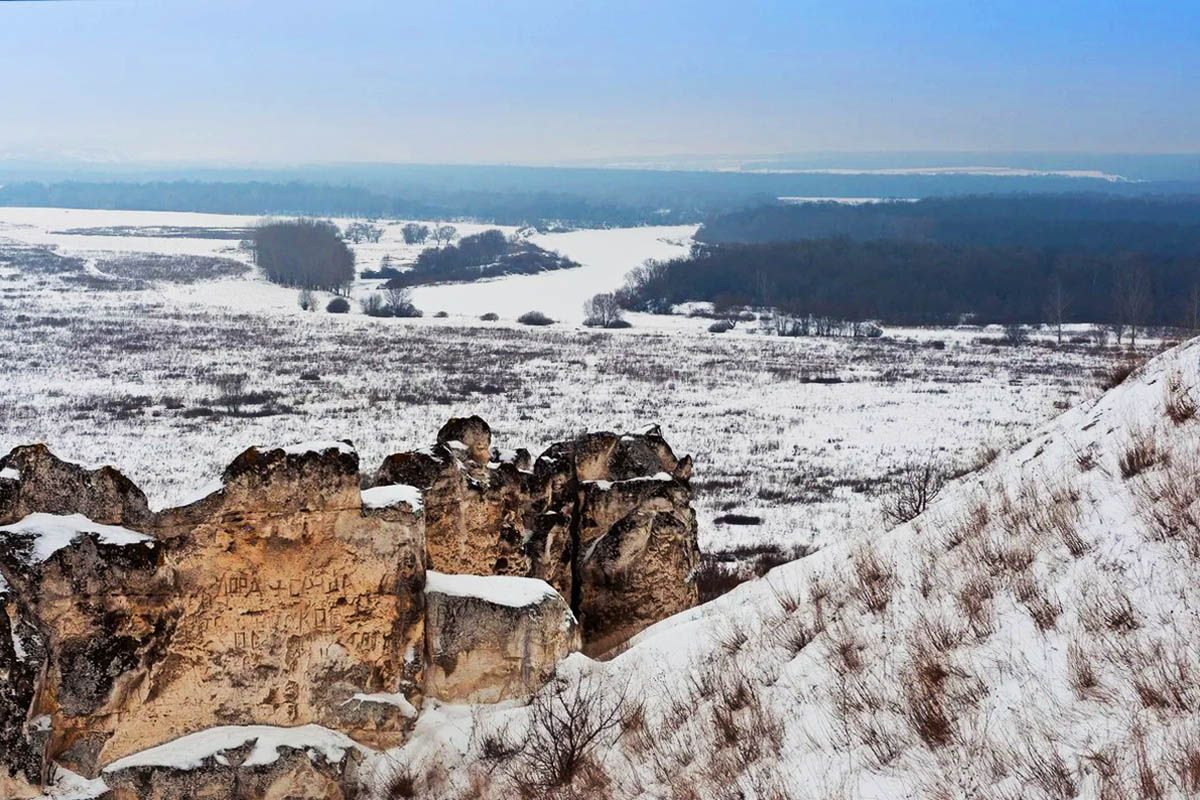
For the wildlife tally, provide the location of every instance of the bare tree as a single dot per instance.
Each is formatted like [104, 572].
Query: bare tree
[444, 234]
[306, 300]
[415, 233]
[916, 486]
[602, 311]
[375, 306]
[1056, 306]
[363, 232]
[1133, 299]
[400, 302]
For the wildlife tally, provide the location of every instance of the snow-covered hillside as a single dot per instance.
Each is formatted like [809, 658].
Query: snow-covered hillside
[1034, 634]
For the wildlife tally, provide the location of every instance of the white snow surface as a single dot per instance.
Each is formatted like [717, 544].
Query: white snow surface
[69, 785]
[191, 751]
[393, 494]
[501, 590]
[396, 699]
[304, 448]
[53, 532]
[605, 256]
[10, 474]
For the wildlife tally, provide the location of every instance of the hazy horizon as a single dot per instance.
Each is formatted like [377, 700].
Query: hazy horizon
[274, 83]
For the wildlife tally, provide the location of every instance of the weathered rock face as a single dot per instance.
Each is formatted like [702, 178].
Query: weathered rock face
[293, 599]
[45, 483]
[491, 638]
[276, 599]
[605, 519]
[290, 596]
[475, 510]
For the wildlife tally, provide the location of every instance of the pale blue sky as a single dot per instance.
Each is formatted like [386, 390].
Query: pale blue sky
[298, 81]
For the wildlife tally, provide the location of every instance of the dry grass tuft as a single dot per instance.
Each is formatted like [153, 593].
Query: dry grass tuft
[1044, 609]
[844, 651]
[1108, 610]
[1117, 374]
[1081, 672]
[1047, 771]
[1141, 453]
[1180, 405]
[1169, 500]
[974, 598]
[874, 580]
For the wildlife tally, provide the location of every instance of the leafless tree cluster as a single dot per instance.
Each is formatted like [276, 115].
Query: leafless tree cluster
[305, 253]
[393, 301]
[359, 232]
[444, 234]
[603, 311]
[415, 233]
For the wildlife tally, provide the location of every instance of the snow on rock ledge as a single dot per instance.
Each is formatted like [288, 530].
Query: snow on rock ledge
[303, 448]
[308, 761]
[393, 495]
[500, 590]
[191, 751]
[39, 536]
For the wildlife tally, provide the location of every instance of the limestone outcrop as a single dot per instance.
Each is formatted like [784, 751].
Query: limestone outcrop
[491, 638]
[605, 519]
[291, 596]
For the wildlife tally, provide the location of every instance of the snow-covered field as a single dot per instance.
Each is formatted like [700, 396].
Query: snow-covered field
[169, 380]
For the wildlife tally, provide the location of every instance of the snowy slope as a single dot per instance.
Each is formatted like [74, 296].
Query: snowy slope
[1036, 633]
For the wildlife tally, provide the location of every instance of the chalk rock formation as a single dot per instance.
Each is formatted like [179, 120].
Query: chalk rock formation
[473, 507]
[491, 638]
[604, 518]
[276, 599]
[289, 596]
[33, 479]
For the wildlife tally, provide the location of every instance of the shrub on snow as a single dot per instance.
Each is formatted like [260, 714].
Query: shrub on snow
[534, 318]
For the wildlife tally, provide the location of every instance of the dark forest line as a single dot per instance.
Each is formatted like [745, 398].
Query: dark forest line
[904, 282]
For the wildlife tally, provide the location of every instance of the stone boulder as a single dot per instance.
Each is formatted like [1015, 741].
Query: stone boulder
[472, 432]
[475, 512]
[637, 555]
[492, 638]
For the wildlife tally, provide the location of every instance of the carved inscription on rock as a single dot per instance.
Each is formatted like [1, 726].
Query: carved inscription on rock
[287, 630]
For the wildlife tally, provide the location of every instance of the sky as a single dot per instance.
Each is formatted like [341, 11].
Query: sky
[273, 82]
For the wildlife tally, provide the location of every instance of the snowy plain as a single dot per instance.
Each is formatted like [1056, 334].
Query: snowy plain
[170, 379]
